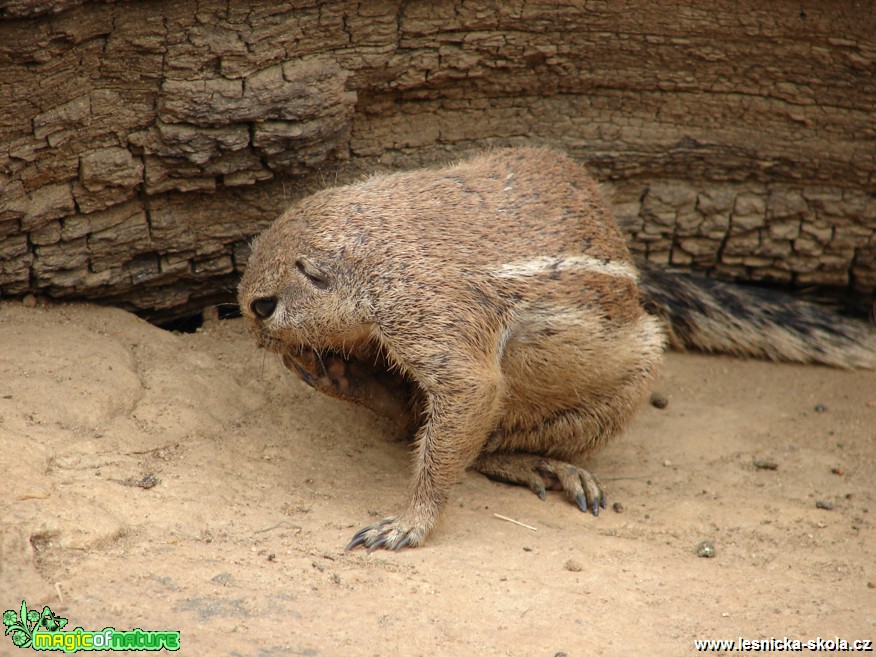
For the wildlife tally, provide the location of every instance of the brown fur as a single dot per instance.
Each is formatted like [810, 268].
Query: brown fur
[502, 293]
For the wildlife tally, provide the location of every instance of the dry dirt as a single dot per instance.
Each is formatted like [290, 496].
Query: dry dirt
[261, 482]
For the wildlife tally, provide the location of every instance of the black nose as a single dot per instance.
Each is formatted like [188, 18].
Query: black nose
[264, 307]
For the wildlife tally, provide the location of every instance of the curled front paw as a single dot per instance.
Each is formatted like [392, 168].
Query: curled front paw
[367, 383]
[389, 534]
[327, 372]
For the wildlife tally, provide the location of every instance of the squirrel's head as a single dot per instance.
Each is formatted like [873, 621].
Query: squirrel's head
[299, 290]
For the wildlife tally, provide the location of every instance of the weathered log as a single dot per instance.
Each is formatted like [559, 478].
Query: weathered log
[143, 143]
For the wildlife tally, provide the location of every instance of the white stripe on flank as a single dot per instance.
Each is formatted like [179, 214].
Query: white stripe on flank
[544, 264]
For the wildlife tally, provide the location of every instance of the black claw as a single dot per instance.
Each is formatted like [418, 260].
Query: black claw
[542, 493]
[595, 507]
[582, 501]
[358, 539]
[602, 501]
[361, 537]
[356, 542]
[303, 374]
[378, 543]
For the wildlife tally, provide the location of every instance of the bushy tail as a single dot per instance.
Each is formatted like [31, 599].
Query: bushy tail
[705, 314]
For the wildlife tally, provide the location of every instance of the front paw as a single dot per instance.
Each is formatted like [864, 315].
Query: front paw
[327, 373]
[389, 534]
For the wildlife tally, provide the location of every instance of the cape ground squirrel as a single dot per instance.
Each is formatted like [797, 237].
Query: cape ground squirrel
[494, 307]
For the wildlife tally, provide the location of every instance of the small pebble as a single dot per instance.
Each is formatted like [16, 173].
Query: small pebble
[29, 301]
[573, 566]
[706, 550]
[838, 471]
[148, 481]
[820, 408]
[822, 504]
[617, 507]
[659, 400]
[765, 464]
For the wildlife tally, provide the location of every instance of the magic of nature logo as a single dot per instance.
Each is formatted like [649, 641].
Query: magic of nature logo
[42, 630]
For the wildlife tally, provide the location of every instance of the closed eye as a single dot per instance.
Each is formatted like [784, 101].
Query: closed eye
[312, 273]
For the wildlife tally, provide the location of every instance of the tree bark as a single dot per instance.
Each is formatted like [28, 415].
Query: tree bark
[143, 143]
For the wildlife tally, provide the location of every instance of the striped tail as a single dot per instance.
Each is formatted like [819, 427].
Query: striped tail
[705, 314]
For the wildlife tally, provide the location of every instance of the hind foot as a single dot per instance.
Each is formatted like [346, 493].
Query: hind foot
[540, 474]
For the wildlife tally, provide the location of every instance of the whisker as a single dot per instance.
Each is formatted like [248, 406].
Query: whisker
[321, 362]
[279, 358]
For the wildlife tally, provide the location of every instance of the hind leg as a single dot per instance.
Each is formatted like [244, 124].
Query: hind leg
[566, 399]
[532, 446]
[540, 474]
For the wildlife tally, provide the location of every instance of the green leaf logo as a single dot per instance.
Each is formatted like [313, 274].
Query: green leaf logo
[22, 625]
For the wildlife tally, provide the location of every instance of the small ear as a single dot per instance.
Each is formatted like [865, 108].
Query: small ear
[309, 269]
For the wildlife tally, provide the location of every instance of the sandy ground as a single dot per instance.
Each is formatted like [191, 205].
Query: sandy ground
[261, 482]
